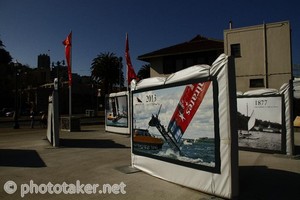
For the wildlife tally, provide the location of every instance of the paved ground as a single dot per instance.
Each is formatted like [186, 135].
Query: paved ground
[94, 156]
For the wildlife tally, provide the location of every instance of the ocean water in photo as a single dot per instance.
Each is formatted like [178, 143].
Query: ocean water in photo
[201, 151]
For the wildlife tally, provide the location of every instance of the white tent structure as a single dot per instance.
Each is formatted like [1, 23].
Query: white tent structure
[117, 112]
[159, 96]
[262, 99]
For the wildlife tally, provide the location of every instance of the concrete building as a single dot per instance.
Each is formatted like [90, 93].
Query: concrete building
[199, 50]
[262, 55]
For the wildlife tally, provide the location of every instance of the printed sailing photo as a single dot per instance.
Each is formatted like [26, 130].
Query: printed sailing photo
[177, 124]
[116, 111]
[260, 123]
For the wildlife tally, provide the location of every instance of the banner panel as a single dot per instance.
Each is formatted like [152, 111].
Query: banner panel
[177, 124]
[116, 112]
[183, 128]
[260, 123]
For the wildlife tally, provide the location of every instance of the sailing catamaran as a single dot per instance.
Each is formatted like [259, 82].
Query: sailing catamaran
[251, 121]
[251, 124]
[189, 103]
[155, 122]
[115, 115]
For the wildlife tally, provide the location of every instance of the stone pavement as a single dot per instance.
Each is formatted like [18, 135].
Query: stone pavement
[97, 158]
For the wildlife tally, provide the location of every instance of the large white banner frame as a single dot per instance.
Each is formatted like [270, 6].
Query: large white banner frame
[166, 154]
[272, 130]
[116, 113]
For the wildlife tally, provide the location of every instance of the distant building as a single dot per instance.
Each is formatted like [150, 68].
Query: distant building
[199, 50]
[41, 74]
[43, 61]
[262, 55]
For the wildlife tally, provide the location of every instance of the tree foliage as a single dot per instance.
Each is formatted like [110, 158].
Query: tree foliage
[144, 72]
[5, 57]
[107, 71]
[7, 76]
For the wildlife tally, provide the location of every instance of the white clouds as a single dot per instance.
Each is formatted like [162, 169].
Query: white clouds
[202, 125]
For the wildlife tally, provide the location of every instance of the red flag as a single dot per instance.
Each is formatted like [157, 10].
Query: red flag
[130, 71]
[68, 44]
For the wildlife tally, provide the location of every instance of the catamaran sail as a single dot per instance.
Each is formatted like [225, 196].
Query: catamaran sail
[188, 104]
[251, 121]
[115, 114]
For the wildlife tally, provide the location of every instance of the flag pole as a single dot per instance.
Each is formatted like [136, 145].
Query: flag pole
[68, 51]
[70, 106]
[126, 43]
[129, 118]
[70, 84]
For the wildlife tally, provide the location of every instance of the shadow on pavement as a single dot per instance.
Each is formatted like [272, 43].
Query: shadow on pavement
[297, 150]
[88, 130]
[261, 182]
[89, 143]
[20, 158]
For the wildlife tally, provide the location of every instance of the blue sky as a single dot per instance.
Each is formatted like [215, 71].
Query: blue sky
[32, 27]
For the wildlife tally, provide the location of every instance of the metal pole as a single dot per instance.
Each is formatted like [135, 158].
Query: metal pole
[70, 89]
[16, 122]
[120, 69]
[55, 110]
[266, 55]
[70, 107]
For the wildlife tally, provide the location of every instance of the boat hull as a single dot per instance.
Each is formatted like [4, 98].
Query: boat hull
[147, 142]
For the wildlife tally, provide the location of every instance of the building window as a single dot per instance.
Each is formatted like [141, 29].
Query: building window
[235, 50]
[259, 82]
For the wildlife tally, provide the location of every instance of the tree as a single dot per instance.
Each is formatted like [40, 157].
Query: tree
[107, 71]
[144, 72]
[6, 78]
[5, 57]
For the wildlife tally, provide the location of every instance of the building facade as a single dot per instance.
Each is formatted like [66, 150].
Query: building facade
[262, 55]
[199, 50]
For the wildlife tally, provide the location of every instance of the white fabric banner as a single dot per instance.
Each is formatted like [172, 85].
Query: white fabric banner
[117, 112]
[275, 107]
[195, 145]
